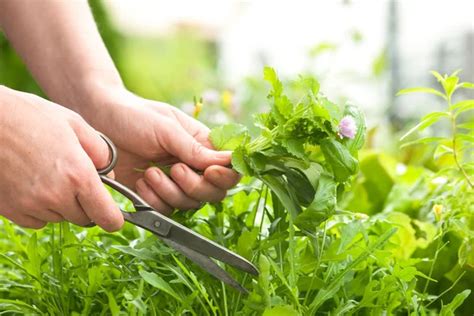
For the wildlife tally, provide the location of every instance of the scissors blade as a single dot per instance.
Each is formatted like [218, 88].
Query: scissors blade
[166, 228]
[207, 264]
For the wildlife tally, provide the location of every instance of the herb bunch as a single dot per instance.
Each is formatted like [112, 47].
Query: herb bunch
[306, 152]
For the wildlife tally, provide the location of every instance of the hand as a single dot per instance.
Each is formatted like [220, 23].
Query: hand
[147, 131]
[48, 159]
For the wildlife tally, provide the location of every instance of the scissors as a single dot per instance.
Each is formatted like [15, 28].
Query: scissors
[192, 245]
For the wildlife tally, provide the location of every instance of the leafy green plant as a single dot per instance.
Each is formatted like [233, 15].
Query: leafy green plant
[395, 242]
[301, 154]
[459, 143]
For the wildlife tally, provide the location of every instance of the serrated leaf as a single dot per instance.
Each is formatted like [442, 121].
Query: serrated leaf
[270, 75]
[228, 137]
[426, 121]
[421, 90]
[281, 310]
[239, 162]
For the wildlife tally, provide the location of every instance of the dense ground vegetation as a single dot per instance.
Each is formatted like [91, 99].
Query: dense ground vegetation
[333, 230]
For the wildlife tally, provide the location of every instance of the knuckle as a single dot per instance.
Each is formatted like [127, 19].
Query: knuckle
[75, 119]
[78, 175]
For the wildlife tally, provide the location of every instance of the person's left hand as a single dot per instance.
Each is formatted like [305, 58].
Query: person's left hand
[147, 132]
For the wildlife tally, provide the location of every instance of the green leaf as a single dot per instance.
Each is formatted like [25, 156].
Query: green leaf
[157, 282]
[322, 207]
[465, 137]
[239, 162]
[281, 310]
[333, 286]
[246, 242]
[322, 48]
[463, 106]
[18, 306]
[426, 121]
[437, 75]
[280, 188]
[270, 75]
[380, 63]
[421, 90]
[450, 85]
[228, 137]
[113, 307]
[458, 300]
[467, 85]
[422, 141]
[358, 141]
[34, 260]
[468, 125]
[339, 158]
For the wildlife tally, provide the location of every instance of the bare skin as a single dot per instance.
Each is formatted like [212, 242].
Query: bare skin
[49, 158]
[59, 42]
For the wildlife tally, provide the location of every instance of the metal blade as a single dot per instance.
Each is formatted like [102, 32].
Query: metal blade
[207, 264]
[171, 230]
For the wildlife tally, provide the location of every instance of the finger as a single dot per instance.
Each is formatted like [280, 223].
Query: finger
[74, 213]
[48, 216]
[178, 142]
[27, 221]
[95, 147]
[221, 177]
[194, 185]
[152, 198]
[98, 204]
[166, 188]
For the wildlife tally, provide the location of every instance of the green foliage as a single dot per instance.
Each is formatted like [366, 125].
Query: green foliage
[394, 238]
[300, 154]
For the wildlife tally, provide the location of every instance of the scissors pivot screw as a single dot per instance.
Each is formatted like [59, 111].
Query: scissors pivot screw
[157, 224]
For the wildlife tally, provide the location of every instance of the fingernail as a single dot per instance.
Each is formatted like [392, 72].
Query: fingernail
[224, 155]
[179, 170]
[156, 174]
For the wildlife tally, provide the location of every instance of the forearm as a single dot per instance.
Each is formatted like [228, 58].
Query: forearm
[59, 42]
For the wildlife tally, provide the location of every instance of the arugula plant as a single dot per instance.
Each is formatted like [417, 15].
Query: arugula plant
[306, 152]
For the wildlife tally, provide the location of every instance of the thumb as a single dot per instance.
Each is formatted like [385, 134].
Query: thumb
[94, 146]
[179, 143]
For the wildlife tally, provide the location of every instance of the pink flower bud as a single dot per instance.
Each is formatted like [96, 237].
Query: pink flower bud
[347, 127]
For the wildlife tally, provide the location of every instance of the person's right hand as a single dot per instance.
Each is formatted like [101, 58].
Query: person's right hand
[48, 161]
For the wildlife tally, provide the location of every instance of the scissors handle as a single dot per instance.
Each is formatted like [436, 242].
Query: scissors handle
[137, 201]
[113, 156]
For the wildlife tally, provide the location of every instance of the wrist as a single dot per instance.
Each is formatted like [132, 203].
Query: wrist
[84, 94]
